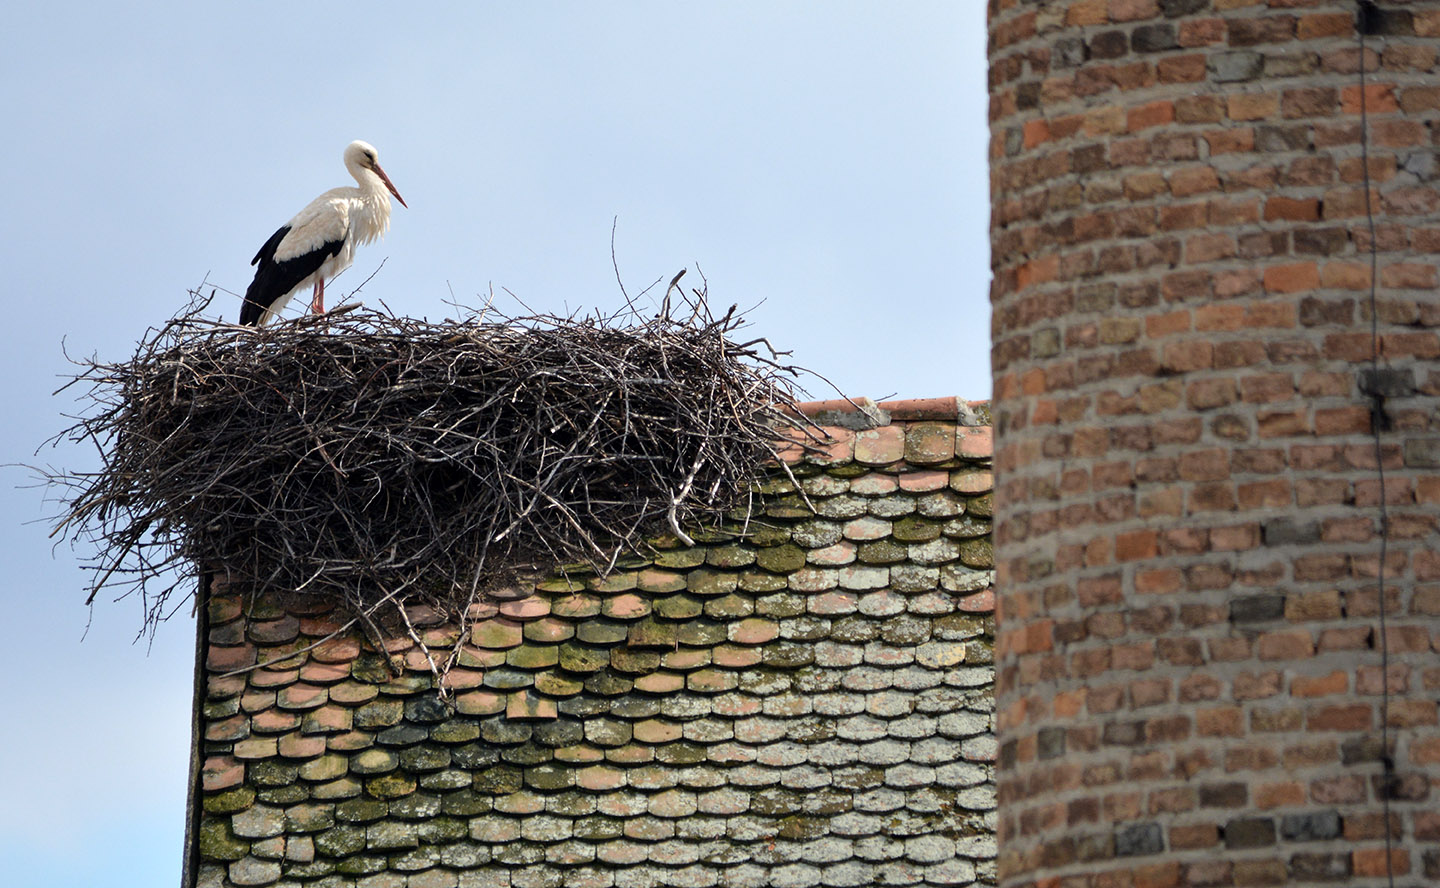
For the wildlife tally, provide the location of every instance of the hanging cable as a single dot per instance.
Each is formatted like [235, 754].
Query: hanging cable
[1367, 20]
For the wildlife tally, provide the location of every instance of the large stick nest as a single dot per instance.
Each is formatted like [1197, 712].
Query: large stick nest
[359, 455]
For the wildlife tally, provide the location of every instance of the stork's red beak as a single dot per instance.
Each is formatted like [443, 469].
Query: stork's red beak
[388, 184]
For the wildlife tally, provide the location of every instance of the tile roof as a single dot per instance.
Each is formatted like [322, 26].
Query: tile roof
[803, 699]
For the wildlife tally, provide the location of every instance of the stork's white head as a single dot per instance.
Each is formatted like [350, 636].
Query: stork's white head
[361, 157]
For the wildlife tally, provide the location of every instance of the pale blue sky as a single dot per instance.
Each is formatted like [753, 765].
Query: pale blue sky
[824, 161]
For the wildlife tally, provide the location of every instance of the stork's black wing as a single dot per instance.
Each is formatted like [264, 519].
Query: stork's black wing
[274, 280]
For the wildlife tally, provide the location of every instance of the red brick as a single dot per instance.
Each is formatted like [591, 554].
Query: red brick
[1202, 248]
[1222, 721]
[1292, 278]
[1157, 582]
[1199, 687]
[1252, 106]
[1412, 713]
[1323, 686]
[1294, 644]
[1190, 837]
[1087, 12]
[1342, 717]
[1289, 793]
[1379, 99]
[1150, 115]
[1208, 394]
[1238, 538]
[1233, 211]
[1223, 316]
[1136, 545]
[1346, 275]
[1323, 604]
[1186, 356]
[1193, 180]
[1271, 494]
[1371, 862]
[1036, 132]
[1201, 32]
[1181, 68]
[1292, 209]
[1416, 99]
[1230, 140]
[1133, 10]
[1200, 109]
[1309, 102]
[1409, 275]
[1212, 464]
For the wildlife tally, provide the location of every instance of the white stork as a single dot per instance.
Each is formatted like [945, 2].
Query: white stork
[320, 241]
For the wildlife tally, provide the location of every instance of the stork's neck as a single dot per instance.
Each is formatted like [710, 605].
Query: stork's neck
[372, 218]
[371, 188]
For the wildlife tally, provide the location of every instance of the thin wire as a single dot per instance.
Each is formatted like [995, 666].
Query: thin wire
[1377, 407]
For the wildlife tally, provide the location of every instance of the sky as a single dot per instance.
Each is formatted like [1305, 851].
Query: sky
[821, 163]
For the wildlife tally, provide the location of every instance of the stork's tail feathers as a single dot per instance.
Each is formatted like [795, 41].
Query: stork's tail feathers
[252, 313]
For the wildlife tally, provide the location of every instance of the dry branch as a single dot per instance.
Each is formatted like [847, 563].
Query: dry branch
[357, 452]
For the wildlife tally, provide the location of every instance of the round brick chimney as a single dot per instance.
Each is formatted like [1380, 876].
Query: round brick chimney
[1189, 403]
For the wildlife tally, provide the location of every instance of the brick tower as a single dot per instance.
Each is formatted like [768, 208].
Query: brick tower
[1191, 517]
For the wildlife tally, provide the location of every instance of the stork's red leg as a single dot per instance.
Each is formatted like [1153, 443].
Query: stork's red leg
[317, 304]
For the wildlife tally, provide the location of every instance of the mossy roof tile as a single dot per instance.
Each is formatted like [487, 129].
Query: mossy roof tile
[729, 607]
[529, 705]
[315, 672]
[625, 606]
[533, 656]
[574, 605]
[734, 657]
[760, 581]
[711, 681]
[941, 504]
[654, 579]
[224, 659]
[225, 730]
[928, 443]
[557, 684]
[602, 632]
[696, 677]
[652, 632]
[700, 632]
[550, 629]
[729, 556]
[682, 659]
[660, 682]
[218, 687]
[972, 481]
[620, 581]
[296, 745]
[349, 741]
[706, 582]
[880, 446]
[255, 748]
[461, 678]
[276, 631]
[525, 609]
[480, 702]
[497, 633]
[633, 661]
[479, 658]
